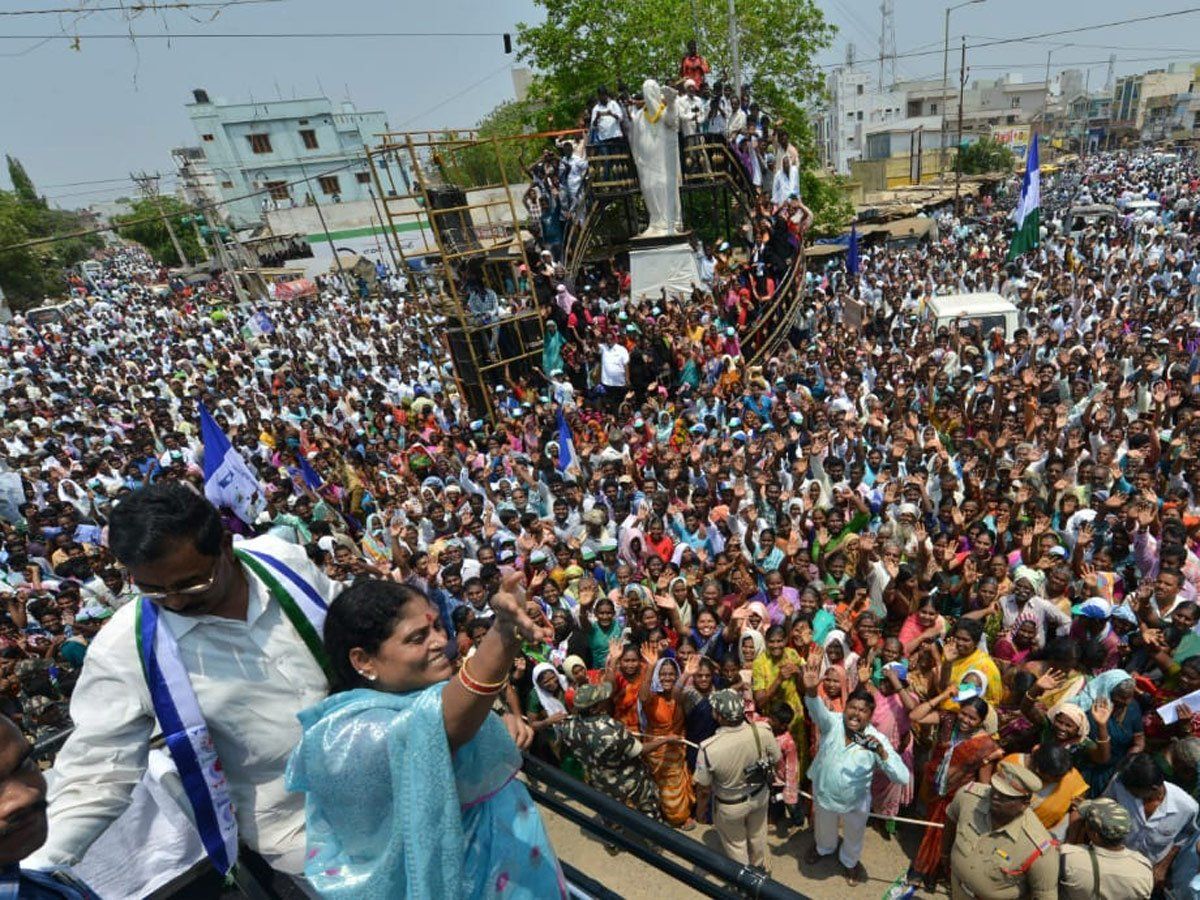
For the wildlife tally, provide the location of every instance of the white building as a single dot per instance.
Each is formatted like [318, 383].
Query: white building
[854, 109]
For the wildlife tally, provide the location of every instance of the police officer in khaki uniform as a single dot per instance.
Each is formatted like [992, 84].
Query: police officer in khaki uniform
[736, 764]
[998, 848]
[1104, 867]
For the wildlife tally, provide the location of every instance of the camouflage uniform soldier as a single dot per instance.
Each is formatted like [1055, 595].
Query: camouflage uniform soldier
[44, 718]
[611, 757]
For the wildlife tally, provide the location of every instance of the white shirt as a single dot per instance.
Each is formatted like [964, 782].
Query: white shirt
[251, 678]
[606, 119]
[614, 362]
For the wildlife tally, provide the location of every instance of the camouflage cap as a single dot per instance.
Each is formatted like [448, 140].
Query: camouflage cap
[729, 706]
[38, 705]
[1107, 818]
[588, 695]
[28, 667]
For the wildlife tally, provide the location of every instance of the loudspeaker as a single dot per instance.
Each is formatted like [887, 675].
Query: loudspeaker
[454, 227]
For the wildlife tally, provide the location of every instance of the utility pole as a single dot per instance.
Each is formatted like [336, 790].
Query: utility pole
[148, 185]
[962, 85]
[946, 73]
[1087, 114]
[734, 53]
[325, 228]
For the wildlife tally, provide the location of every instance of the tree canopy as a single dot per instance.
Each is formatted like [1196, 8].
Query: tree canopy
[985, 155]
[30, 274]
[21, 182]
[144, 224]
[585, 43]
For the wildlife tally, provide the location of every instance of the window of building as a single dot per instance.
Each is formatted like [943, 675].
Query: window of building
[329, 184]
[206, 137]
[278, 190]
[860, 116]
[362, 177]
[310, 139]
[259, 143]
[933, 109]
[226, 184]
[860, 89]
[1015, 103]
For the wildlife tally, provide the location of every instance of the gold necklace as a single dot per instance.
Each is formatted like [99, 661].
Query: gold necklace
[653, 118]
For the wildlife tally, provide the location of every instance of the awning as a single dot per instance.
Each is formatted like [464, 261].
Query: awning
[291, 290]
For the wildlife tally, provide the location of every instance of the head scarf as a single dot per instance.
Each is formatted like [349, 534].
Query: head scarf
[1076, 715]
[849, 659]
[1033, 576]
[625, 546]
[1101, 686]
[760, 644]
[564, 298]
[550, 704]
[655, 683]
[764, 620]
[837, 704]
[571, 662]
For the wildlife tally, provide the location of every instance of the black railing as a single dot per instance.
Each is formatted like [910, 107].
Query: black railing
[703, 869]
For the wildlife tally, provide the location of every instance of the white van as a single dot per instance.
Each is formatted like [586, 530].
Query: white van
[984, 310]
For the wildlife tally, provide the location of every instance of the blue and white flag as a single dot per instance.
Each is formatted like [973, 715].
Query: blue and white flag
[228, 481]
[1028, 213]
[260, 323]
[852, 252]
[567, 456]
[311, 478]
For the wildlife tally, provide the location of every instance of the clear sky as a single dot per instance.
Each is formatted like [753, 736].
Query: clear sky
[92, 115]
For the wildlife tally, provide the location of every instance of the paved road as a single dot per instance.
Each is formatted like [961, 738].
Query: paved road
[635, 880]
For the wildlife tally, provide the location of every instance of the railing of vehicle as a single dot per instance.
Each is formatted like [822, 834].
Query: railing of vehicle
[701, 868]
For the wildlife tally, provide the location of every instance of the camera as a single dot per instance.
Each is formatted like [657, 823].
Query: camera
[759, 773]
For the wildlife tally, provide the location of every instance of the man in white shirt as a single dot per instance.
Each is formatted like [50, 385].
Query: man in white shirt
[614, 369]
[690, 109]
[606, 117]
[606, 128]
[250, 669]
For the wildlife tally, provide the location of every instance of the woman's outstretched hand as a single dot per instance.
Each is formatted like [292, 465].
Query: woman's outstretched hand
[509, 606]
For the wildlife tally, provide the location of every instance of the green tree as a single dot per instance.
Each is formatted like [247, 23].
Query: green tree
[472, 165]
[144, 225]
[21, 182]
[985, 155]
[22, 275]
[829, 201]
[30, 274]
[586, 43]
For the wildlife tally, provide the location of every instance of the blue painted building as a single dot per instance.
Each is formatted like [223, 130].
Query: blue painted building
[271, 147]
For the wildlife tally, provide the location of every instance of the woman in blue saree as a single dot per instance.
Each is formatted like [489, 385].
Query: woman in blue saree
[410, 778]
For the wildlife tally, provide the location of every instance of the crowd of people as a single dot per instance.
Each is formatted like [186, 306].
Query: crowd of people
[898, 570]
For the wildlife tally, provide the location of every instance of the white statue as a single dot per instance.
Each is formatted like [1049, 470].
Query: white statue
[654, 141]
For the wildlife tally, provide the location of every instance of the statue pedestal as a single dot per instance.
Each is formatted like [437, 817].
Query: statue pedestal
[657, 263]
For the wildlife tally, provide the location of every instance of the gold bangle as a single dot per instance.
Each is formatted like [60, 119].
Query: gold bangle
[478, 692]
[481, 689]
[485, 684]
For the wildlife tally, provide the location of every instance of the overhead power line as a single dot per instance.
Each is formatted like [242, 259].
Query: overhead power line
[133, 8]
[244, 35]
[996, 42]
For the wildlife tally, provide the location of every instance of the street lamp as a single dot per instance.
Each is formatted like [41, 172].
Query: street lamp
[946, 70]
[1046, 90]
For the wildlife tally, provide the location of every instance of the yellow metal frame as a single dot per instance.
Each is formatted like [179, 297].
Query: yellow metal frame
[424, 152]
